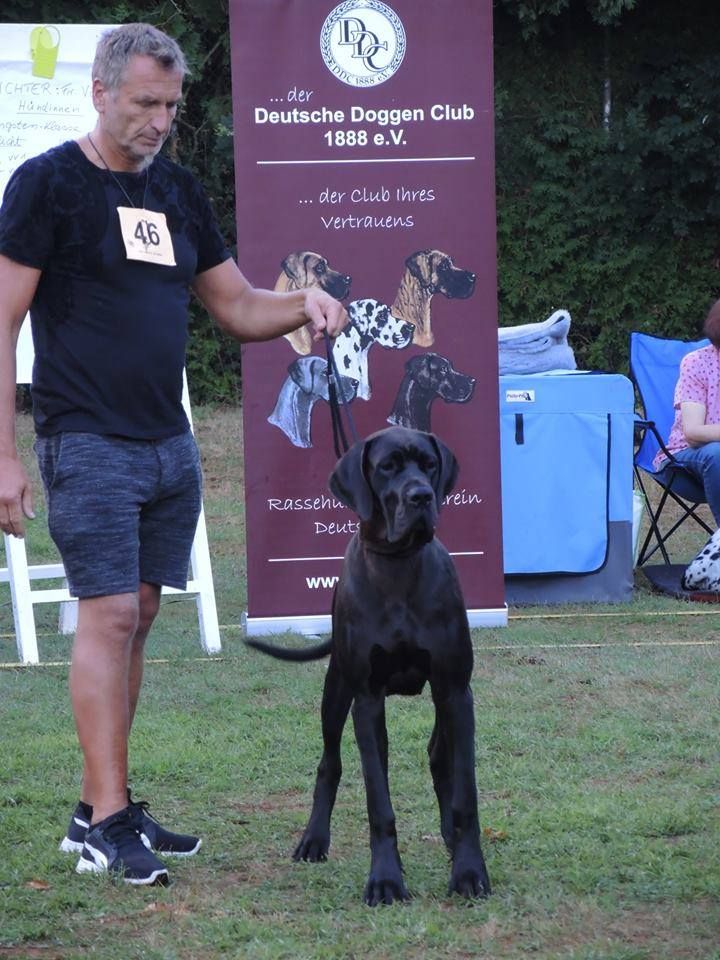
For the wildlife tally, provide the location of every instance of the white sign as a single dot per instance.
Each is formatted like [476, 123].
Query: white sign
[45, 99]
[519, 396]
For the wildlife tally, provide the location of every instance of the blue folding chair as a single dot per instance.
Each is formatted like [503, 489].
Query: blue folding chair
[654, 368]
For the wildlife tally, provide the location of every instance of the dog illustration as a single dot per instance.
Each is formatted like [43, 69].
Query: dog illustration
[427, 376]
[398, 622]
[370, 322]
[428, 272]
[307, 382]
[703, 571]
[307, 269]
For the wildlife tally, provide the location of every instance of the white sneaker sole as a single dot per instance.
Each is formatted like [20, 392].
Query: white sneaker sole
[160, 877]
[178, 853]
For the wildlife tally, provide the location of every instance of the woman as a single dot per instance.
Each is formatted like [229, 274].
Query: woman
[694, 439]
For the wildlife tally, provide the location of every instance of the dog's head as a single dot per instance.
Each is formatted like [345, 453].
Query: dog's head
[703, 571]
[377, 324]
[436, 273]
[396, 481]
[310, 374]
[307, 269]
[437, 375]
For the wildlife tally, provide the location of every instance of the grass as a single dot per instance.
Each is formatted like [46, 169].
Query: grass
[597, 765]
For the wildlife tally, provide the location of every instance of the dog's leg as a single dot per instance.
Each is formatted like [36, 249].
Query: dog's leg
[337, 697]
[469, 875]
[441, 770]
[385, 882]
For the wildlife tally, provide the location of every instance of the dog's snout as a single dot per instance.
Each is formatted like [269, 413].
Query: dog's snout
[420, 496]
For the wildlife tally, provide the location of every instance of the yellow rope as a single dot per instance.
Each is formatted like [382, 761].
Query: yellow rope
[504, 646]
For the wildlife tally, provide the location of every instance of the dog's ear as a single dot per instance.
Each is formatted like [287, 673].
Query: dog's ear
[349, 483]
[289, 267]
[303, 371]
[449, 469]
[415, 264]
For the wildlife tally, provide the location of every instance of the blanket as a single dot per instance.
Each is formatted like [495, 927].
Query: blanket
[536, 347]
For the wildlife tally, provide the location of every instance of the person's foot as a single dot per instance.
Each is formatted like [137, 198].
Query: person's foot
[163, 841]
[116, 846]
[77, 829]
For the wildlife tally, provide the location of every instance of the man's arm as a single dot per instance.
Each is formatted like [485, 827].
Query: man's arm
[249, 314]
[17, 288]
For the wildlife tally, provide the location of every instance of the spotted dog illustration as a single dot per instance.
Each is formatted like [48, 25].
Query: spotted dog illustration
[703, 571]
[428, 272]
[427, 376]
[370, 322]
[307, 382]
[305, 269]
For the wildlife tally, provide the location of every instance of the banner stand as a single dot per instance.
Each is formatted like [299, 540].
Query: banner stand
[364, 165]
[320, 625]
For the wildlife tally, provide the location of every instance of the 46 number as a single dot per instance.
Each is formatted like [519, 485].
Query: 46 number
[147, 233]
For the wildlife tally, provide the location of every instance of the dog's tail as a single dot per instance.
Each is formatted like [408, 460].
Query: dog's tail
[295, 654]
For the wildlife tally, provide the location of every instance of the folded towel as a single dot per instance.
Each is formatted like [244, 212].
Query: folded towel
[536, 347]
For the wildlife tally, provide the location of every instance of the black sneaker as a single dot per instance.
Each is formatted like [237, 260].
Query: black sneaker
[73, 841]
[116, 846]
[163, 841]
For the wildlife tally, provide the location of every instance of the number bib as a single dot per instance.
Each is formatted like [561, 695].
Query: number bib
[146, 236]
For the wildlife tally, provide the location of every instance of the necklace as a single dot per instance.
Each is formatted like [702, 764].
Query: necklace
[127, 195]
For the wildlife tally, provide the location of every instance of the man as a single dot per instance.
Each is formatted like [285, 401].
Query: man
[102, 240]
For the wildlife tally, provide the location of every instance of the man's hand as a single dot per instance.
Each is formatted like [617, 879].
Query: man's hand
[15, 496]
[324, 313]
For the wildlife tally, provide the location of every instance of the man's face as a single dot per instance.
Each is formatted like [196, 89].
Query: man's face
[136, 117]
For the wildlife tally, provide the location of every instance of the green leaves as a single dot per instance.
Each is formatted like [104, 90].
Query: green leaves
[534, 15]
[617, 224]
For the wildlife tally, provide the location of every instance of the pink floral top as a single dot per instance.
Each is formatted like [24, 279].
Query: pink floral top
[698, 382]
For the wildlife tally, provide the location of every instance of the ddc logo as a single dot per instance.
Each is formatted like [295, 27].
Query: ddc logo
[362, 42]
[365, 43]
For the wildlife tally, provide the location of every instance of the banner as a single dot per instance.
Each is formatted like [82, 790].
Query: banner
[45, 99]
[365, 164]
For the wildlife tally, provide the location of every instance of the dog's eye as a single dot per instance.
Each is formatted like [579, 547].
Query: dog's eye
[320, 268]
[430, 465]
[389, 465]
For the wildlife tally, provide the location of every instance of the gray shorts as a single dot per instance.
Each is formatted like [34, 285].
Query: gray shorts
[121, 511]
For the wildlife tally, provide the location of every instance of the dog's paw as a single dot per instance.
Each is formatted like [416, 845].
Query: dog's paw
[384, 890]
[470, 882]
[312, 849]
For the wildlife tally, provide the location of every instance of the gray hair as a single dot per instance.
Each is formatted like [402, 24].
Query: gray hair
[118, 45]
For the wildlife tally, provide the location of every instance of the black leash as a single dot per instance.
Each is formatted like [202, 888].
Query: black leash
[337, 397]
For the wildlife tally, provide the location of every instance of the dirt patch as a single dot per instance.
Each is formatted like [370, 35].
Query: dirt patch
[666, 931]
[273, 802]
[28, 951]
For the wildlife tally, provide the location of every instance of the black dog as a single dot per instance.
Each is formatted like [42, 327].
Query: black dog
[398, 622]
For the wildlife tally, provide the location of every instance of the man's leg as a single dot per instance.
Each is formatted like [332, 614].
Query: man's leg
[99, 684]
[149, 600]
[127, 663]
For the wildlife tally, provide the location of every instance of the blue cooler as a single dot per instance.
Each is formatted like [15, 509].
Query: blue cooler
[566, 442]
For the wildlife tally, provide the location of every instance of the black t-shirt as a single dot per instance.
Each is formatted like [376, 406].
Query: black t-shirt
[109, 333]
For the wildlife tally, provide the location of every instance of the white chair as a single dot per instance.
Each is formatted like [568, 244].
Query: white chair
[20, 574]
